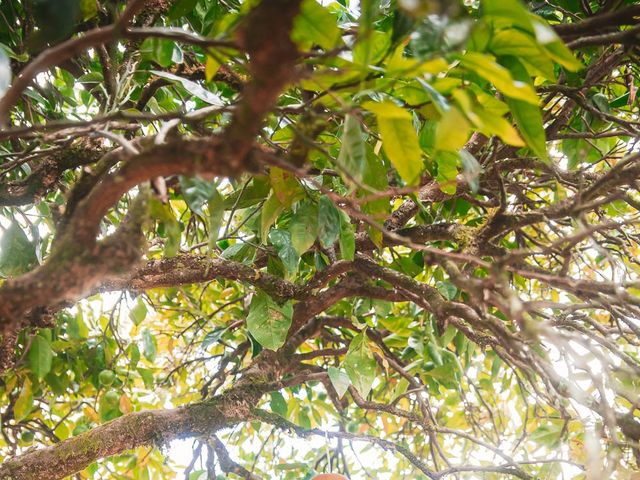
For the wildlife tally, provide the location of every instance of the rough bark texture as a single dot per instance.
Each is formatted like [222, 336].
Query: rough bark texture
[484, 307]
[147, 428]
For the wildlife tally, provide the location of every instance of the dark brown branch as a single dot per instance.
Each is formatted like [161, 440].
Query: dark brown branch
[147, 428]
[227, 464]
[385, 444]
[189, 269]
[61, 52]
[46, 174]
[265, 36]
[617, 18]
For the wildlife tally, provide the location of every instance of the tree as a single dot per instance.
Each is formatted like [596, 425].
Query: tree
[406, 231]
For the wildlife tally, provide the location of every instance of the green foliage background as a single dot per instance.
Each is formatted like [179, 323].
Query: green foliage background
[512, 135]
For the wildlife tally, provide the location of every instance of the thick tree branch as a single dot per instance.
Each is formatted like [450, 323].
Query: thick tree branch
[616, 18]
[227, 464]
[265, 37]
[148, 428]
[46, 174]
[64, 51]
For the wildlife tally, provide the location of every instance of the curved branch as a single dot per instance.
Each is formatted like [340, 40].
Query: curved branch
[265, 36]
[61, 52]
[46, 175]
[121, 434]
[148, 428]
[617, 18]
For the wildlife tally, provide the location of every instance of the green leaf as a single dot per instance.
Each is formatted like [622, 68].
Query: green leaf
[368, 38]
[447, 289]
[169, 227]
[213, 337]
[172, 245]
[495, 366]
[518, 15]
[216, 217]
[138, 313]
[24, 402]
[328, 222]
[181, 8]
[371, 47]
[601, 102]
[353, 155]
[76, 327]
[192, 87]
[254, 193]
[439, 101]
[291, 466]
[133, 353]
[399, 139]
[548, 434]
[434, 352]
[486, 67]
[511, 10]
[528, 117]
[522, 45]
[303, 418]
[304, 227]
[447, 375]
[447, 171]
[471, 170]
[315, 25]
[285, 186]
[621, 101]
[360, 365]
[147, 377]
[88, 9]
[487, 121]
[17, 253]
[160, 51]
[149, 346]
[269, 213]
[57, 383]
[339, 380]
[555, 47]
[281, 239]
[376, 177]
[40, 356]
[197, 191]
[347, 237]
[5, 71]
[238, 252]
[278, 404]
[269, 322]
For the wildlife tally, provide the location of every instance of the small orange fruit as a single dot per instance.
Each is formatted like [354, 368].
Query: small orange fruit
[329, 476]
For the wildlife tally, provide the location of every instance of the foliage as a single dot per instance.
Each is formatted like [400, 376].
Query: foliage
[390, 239]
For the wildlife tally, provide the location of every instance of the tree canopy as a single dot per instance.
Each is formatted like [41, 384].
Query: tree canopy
[386, 239]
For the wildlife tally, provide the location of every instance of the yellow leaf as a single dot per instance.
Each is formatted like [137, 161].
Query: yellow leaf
[285, 186]
[388, 427]
[24, 402]
[399, 139]
[61, 431]
[270, 211]
[433, 66]
[211, 68]
[91, 414]
[452, 131]
[486, 67]
[125, 404]
[227, 292]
